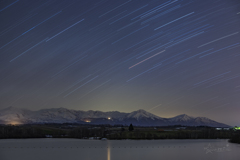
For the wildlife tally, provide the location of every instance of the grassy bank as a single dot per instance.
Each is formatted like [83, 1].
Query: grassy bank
[113, 132]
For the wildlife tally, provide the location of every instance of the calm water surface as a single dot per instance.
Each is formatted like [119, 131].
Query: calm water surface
[75, 149]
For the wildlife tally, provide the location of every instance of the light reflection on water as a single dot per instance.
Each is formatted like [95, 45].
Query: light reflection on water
[108, 153]
[108, 150]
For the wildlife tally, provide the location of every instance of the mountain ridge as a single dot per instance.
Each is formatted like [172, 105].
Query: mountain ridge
[140, 117]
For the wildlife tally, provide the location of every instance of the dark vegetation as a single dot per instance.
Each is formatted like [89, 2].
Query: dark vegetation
[235, 137]
[115, 132]
[130, 128]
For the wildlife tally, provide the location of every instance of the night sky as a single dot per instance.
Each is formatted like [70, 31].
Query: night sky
[167, 57]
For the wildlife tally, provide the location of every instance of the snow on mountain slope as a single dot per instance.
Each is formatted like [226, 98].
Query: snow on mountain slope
[14, 115]
[141, 114]
[55, 115]
[140, 117]
[184, 119]
[204, 120]
[100, 114]
[181, 118]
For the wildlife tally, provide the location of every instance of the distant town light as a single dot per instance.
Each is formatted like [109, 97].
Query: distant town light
[109, 118]
[236, 128]
[87, 121]
[14, 123]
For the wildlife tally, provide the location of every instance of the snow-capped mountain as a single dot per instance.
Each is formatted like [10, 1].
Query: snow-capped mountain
[139, 114]
[184, 119]
[15, 115]
[140, 117]
[181, 118]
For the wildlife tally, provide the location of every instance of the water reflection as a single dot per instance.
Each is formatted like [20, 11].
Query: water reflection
[109, 150]
[60, 149]
[108, 154]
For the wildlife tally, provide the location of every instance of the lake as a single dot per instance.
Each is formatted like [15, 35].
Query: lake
[78, 149]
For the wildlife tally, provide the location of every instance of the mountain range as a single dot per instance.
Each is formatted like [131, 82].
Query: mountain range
[12, 115]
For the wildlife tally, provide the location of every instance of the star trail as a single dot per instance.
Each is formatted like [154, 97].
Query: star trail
[168, 57]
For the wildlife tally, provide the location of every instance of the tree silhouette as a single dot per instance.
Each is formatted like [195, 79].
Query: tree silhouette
[131, 127]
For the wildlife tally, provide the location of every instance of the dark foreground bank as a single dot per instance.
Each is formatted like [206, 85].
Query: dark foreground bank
[115, 132]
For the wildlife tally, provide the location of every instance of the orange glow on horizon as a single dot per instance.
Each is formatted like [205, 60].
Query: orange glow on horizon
[14, 123]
